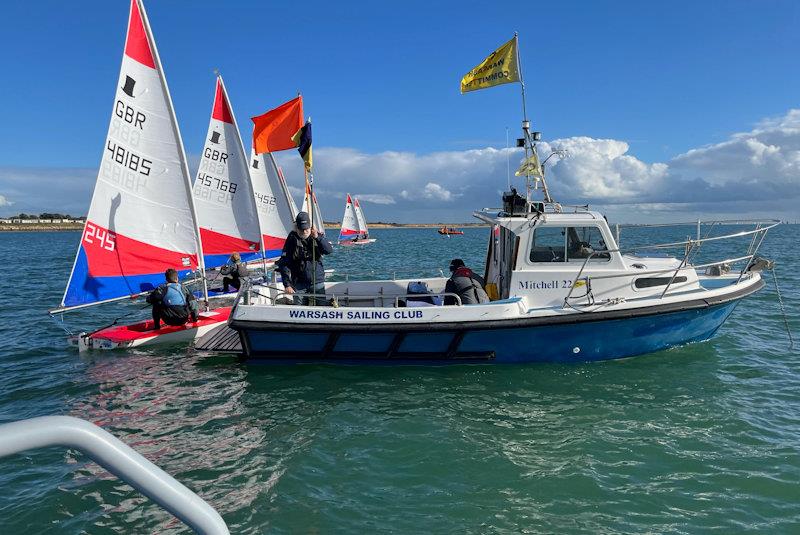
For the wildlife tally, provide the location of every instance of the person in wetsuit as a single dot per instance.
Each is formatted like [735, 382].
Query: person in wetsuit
[172, 303]
[300, 264]
[464, 283]
[234, 271]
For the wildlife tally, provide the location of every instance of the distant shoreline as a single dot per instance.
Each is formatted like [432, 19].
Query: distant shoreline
[51, 227]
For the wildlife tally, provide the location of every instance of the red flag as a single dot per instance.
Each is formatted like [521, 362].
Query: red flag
[273, 131]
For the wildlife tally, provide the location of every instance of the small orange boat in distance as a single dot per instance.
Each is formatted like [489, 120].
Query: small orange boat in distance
[450, 231]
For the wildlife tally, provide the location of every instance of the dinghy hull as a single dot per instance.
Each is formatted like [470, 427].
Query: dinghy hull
[142, 333]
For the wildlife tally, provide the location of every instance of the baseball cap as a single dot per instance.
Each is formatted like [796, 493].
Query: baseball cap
[303, 221]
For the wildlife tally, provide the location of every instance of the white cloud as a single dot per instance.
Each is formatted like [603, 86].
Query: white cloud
[757, 172]
[431, 191]
[376, 198]
[4, 201]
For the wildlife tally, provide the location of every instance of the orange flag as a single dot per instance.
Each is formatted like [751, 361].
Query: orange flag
[273, 131]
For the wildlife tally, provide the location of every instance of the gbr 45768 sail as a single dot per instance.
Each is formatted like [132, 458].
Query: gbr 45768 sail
[142, 219]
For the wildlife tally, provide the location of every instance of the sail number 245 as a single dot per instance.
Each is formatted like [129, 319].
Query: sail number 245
[96, 235]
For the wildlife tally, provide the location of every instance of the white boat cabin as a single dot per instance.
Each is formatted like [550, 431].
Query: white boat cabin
[557, 259]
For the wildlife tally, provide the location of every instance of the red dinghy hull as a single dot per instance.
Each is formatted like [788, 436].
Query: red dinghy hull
[142, 333]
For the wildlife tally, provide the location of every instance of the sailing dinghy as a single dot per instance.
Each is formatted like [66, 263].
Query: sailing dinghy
[223, 195]
[353, 232]
[142, 219]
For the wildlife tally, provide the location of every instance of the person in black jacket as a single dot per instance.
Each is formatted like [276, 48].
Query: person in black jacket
[300, 264]
[464, 283]
[172, 303]
[234, 271]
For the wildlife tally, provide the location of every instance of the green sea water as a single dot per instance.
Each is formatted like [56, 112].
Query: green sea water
[703, 438]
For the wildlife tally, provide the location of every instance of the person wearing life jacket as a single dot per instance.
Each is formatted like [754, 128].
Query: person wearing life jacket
[234, 271]
[464, 283]
[300, 264]
[172, 303]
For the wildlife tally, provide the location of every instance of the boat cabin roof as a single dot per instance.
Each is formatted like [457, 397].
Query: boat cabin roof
[520, 224]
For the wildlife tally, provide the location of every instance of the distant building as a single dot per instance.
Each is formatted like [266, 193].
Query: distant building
[5, 221]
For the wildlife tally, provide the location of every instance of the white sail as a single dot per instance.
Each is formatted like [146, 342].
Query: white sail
[362, 222]
[141, 219]
[226, 209]
[349, 229]
[286, 191]
[317, 215]
[273, 207]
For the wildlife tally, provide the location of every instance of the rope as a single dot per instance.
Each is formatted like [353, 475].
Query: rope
[783, 309]
[60, 322]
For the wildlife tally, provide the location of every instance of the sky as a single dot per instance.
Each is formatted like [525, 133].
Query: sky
[669, 110]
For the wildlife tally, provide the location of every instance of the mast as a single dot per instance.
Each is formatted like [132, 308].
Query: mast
[181, 151]
[530, 143]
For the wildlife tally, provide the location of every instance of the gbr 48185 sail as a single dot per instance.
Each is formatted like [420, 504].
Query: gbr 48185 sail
[142, 219]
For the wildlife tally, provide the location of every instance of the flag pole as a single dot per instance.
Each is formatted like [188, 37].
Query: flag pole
[310, 189]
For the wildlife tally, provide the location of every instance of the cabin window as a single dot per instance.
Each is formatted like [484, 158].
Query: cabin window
[650, 282]
[549, 244]
[560, 244]
[583, 241]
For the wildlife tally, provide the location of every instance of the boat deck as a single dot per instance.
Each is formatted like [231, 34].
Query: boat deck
[222, 339]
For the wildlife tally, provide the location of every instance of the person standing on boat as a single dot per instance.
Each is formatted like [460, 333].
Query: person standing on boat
[172, 303]
[300, 264]
[234, 271]
[464, 283]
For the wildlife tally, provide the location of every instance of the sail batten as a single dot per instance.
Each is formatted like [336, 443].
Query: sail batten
[141, 218]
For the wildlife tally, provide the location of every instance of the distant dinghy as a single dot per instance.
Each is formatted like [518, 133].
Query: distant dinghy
[353, 232]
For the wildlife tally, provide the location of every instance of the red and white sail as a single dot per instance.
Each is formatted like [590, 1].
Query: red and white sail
[272, 202]
[223, 194]
[316, 217]
[141, 218]
[363, 231]
[349, 229]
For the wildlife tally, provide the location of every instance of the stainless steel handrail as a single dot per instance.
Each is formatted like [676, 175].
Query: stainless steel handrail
[119, 459]
[759, 233]
[396, 297]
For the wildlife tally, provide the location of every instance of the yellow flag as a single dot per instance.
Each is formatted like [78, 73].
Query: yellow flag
[530, 167]
[499, 68]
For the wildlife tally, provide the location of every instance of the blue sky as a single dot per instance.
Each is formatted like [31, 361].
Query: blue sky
[381, 81]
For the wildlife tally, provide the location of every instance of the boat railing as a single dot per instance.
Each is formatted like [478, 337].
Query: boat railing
[247, 291]
[383, 276]
[119, 459]
[347, 297]
[689, 246]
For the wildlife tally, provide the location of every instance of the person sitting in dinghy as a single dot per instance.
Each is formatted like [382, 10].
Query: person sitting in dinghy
[172, 303]
[300, 264]
[464, 283]
[234, 271]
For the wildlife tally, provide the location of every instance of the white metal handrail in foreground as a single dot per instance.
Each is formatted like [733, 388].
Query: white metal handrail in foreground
[119, 459]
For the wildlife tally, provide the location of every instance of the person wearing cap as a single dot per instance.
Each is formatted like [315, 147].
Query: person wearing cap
[465, 284]
[300, 264]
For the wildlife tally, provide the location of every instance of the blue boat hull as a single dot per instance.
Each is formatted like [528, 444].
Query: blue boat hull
[586, 338]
